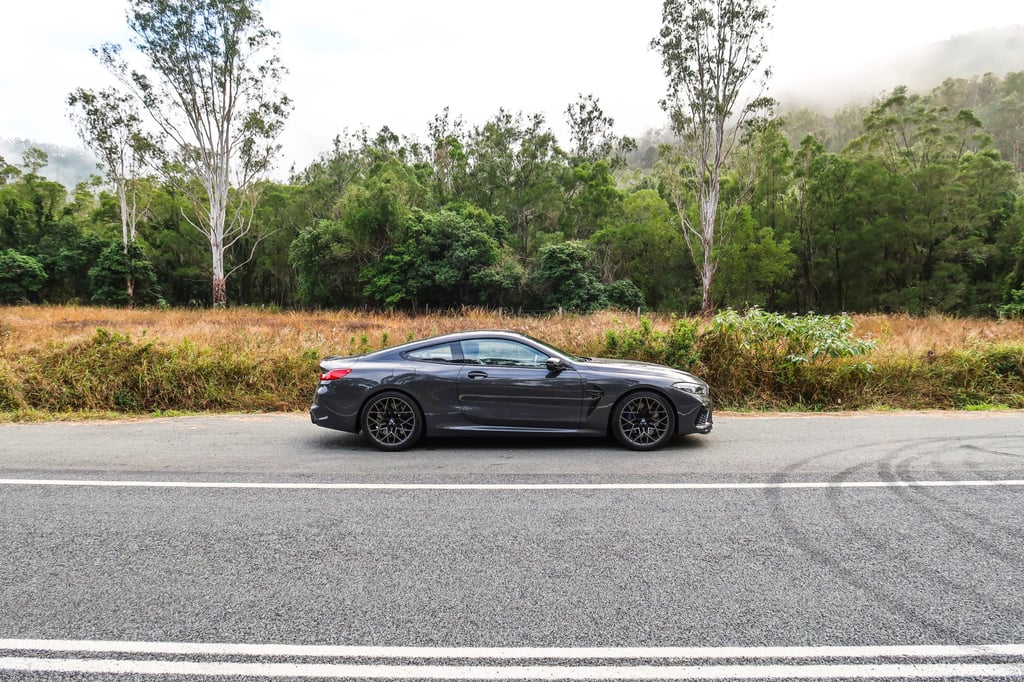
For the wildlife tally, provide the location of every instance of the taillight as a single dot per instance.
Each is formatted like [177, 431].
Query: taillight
[334, 374]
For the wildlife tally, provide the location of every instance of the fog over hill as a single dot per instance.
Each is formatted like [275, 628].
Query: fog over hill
[996, 50]
[67, 165]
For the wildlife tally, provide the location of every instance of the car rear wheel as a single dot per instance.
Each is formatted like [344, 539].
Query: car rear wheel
[643, 421]
[392, 421]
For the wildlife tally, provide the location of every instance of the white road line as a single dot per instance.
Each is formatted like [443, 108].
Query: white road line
[328, 670]
[937, 651]
[512, 486]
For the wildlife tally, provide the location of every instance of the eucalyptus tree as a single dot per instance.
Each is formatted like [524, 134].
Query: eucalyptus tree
[935, 207]
[210, 84]
[711, 53]
[1005, 118]
[514, 171]
[592, 134]
[109, 125]
[450, 163]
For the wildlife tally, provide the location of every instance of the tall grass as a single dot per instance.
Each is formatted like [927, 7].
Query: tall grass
[61, 360]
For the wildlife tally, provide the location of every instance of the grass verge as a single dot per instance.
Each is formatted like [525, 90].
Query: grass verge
[68, 362]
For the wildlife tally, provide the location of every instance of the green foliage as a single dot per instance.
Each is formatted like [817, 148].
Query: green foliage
[123, 279]
[796, 338]
[753, 265]
[320, 257]
[451, 255]
[1014, 309]
[766, 359]
[644, 246]
[908, 204]
[21, 277]
[623, 294]
[568, 278]
[514, 168]
[677, 347]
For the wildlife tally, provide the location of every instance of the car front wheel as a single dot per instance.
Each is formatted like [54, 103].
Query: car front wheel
[392, 421]
[643, 421]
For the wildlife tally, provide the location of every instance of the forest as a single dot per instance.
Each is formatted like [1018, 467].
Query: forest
[911, 204]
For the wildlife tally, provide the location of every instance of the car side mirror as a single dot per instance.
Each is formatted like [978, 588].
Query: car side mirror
[556, 365]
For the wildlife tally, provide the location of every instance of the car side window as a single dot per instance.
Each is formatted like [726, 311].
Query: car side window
[502, 352]
[444, 352]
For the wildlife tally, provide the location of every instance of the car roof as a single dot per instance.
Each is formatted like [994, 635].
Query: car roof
[470, 334]
[453, 336]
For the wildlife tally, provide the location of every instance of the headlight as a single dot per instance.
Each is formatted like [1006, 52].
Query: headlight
[691, 387]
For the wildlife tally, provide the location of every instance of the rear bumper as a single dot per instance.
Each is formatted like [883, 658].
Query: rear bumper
[320, 415]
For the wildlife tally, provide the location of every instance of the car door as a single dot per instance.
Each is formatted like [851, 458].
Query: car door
[505, 383]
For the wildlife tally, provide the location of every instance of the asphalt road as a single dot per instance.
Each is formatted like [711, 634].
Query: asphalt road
[882, 546]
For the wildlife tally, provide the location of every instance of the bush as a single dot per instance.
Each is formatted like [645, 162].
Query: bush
[676, 348]
[1014, 310]
[21, 277]
[115, 267]
[761, 359]
[623, 294]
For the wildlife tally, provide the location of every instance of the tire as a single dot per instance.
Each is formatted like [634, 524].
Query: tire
[392, 421]
[643, 421]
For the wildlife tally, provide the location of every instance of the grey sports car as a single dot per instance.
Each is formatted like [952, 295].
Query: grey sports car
[500, 382]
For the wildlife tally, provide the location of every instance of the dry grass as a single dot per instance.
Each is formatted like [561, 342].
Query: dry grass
[23, 328]
[53, 360]
[338, 332]
[906, 335]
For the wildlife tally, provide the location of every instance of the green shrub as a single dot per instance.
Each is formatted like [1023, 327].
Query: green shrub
[766, 360]
[677, 347]
[1014, 310]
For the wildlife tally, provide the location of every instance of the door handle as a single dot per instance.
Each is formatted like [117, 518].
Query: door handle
[477, 374]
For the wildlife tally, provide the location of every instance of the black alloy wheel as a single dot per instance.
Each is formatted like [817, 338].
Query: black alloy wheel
[392, 421]
[643, 421]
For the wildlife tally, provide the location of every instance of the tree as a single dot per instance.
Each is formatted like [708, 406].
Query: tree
[644, 247]
[109, 125]
[514, 172]
[34, 160]
[949, 196]
[755, 264]
[447, 257]
[1006, 118]
[710, 51]
[568, 277]
[7, 171]
[590, 132]
[21, 276]
[115, 266]
[211, 88]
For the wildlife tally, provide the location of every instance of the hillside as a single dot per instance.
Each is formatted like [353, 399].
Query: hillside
[995, 50]
[68, 166]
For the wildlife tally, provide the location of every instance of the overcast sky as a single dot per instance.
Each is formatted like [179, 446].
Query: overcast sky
[369, 63]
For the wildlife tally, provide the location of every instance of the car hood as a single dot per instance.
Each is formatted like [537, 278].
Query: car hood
[634, 367]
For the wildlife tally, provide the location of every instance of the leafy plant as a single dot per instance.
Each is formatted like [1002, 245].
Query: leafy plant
[21, 276]
[1014, 310]
[797, 338]
[677, 347]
